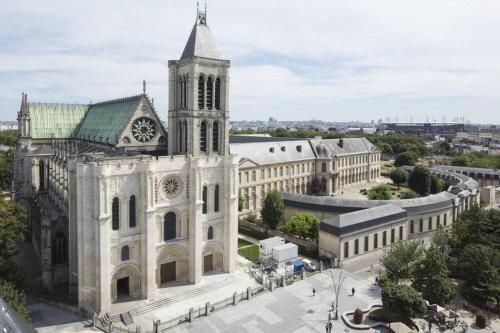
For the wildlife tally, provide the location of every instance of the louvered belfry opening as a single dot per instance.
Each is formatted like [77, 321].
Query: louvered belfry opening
[203, 137]
[210, 93]
[201, 93]
[217, 94]
[215, 137]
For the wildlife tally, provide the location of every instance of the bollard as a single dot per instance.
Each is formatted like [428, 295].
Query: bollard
[303, 275]
[94, 319]
[271, 285]
[283, 282]
[249, 293]
[190, 314]
[207, 308]
[320, 266]
[235, 296]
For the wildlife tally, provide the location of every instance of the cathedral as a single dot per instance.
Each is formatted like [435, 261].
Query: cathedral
[118, 205]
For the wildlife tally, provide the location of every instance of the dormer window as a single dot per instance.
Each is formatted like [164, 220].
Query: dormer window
[283, 148]
[271, 150]
[299, 148]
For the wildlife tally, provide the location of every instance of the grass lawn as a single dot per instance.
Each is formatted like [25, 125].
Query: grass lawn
[251, 252]
[242, 242]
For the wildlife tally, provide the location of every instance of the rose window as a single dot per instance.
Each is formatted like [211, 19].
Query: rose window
[143, 129]
[172, 186]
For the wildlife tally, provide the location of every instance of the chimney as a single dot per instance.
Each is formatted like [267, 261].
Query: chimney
[341, 143]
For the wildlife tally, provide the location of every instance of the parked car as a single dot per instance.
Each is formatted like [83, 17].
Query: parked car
[309, 265]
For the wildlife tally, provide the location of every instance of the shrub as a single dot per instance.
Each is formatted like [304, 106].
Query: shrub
[380, 192]
[481, 321]
[358, 316]
[409, 194]
[252, 218]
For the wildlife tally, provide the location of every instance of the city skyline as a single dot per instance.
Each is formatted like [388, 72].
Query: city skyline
[337, 61]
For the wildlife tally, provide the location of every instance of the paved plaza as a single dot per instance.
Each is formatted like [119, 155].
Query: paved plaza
[291, 309]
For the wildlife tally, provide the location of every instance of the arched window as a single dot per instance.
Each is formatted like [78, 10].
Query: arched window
[210, 233]
[201, 93]
[210, 93]
[215, 137]
[169, 226]
[185, 92]
[41, 175]
[216, 198]
[59, 249]
[323, 167]
[181, 137]
[125, 253]
[184, 149]
[115, 214]
[131, 212]
[217, 94]
[204, 198]
[203, 136]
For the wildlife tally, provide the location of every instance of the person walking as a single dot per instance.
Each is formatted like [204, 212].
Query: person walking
[330, 327]
[329, 317]
[314, 291]
[326, 328]
[353, 291]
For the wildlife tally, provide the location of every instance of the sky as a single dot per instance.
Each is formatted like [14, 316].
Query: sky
[292, 60]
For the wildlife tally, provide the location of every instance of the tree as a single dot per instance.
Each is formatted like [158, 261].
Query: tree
[273, 210]
[305, 225]
[406, 158]
[15, 298]
[479, 267]
[420, 180]
[240, 202]
[399, 176]
[315, 187]
[403, 300]
[380, 192]
[437, 184]
[400, 258]
[12, 231]
[460, 160]
[6, 170]
[408, 194]
[8, 137]
[431, 277]
[385, 148]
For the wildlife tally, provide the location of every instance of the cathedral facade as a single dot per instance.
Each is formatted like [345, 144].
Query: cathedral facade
[117, 207]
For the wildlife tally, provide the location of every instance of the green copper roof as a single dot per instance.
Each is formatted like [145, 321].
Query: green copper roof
[105, 121]
[59, 121]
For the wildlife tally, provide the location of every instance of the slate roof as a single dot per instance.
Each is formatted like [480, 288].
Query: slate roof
[200, 43]
[442, 200]
[363, 219]
[105, 121]
[273, 152]
[54, 120]
[326, 148]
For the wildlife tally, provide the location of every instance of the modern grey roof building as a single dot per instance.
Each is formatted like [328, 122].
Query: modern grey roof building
[363, 219]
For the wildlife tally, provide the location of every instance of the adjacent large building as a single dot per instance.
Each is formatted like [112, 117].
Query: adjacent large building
[308, 166]
[117, 208]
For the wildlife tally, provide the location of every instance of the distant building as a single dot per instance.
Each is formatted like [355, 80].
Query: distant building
[425, 128]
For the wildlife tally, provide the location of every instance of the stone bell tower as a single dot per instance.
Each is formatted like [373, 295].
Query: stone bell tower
[198, 116]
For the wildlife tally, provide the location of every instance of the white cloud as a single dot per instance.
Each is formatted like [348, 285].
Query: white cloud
[293, 60]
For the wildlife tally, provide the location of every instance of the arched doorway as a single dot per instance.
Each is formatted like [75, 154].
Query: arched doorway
[126, 283]
[172, 264]
[213, 254]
